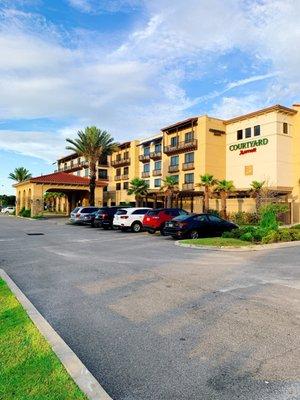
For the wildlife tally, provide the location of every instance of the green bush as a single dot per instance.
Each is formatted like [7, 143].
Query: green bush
[296, 226]
[247, 237]
[282, 235]
[25, 213]
[271, 237]
[269, 215]
[244, 218]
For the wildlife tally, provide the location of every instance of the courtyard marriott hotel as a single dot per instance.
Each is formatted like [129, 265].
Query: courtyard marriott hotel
[263, 145]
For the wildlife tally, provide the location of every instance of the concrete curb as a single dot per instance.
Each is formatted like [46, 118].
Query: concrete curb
[257, 247]
[76, 369]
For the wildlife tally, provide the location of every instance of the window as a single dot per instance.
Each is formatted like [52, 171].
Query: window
[247, 132]
[125, 185]
[157, 182]
[146, 168]
[189, 158]
[86, 172]
[105, 189]
[174, 141]
[214, 218]
[188, 137]
[118, 186]
[146, 151]
[147, 182]
[103, 160]
[257, 130]
[78, 173]
[126, 155]
[239, 134]
[201, 218]
[125, 170]
[118, 158]
[157, 165]
[174, 160]
[142, 211]
[118, 171]
[248, 169]
[157, 148]
[189, 178]
[176, 178]
[285, 127]
[102, 173]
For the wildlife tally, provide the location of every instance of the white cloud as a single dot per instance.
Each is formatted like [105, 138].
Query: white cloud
[97, 6]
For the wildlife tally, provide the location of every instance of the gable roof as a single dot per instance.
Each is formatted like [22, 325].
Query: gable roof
[62, 178]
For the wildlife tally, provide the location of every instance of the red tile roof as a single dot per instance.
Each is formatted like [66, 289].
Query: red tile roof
[64, 178]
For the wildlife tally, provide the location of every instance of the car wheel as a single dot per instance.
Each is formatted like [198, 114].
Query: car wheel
[105, 228]
[151, 231]
[194, 234]
[136, 227]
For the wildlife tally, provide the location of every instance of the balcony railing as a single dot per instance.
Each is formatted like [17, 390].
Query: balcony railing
[187, 166]
[155, 155]
[145, 174]
[73, 167]
[144, 157]
[124, 177]
[173, 168]
[156, 172]
[188, 186]
[121, 162]
[118, 177]
[181, 147]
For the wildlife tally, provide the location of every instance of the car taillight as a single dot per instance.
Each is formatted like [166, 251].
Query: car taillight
[124, 216]
[104, 216]
[182, 224]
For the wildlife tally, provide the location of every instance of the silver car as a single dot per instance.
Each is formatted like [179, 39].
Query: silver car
[81, 215]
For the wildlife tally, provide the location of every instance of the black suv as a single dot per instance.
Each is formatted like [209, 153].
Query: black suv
[104, 217]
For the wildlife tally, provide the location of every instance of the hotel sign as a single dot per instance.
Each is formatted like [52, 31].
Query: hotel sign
[248, 147]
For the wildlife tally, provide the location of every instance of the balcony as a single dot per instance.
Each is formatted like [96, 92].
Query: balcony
[121, 162]
[188, 166]
[156, 172]
[124, 177]
[118, 177]
[155, 155]
[73, 167]
[173, 168]
[188, 186]
[181, 147]
[145, 174]
[144, 157]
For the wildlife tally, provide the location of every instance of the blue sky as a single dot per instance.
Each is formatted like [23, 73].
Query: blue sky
[134, 66]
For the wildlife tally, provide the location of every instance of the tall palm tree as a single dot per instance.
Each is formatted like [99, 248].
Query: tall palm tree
[93, 144]
[256, 189]
[207, 181]
[224, 187]
[139, 188]
[169, 187]
[20, 174]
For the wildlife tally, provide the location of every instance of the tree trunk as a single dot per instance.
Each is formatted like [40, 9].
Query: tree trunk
[137, 201]
[92, 184]
[223, 205]
[169, 201]
[206, 199]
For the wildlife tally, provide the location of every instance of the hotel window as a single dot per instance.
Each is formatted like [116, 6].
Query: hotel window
[174, 141]
[125, 171]
[78, 173]
[157, 148]
[79, 160]
[157, 182]
[247, 132]
[118, 157]
[189, 178]
[189, 158]
[65, 165]
[103, 160]
[248, 170]
[125, 185]
[146, 151]
[257, 130]
[105, 189]
[102, 173]
[86, 172]
[174, 160]
[146, 168]
[239, 134]
[157, 165]
[126, 155]
[147, 182]
[176, 178]
[118, 171]
[118, 186]
[285, 127]
[188, 137]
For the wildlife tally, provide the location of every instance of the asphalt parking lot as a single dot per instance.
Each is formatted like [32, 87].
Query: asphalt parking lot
[155, 321]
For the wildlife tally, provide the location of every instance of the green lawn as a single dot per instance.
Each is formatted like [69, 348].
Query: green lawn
[29, 368]
[217, 241]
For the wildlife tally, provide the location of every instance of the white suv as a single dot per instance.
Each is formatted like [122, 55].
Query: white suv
[8, 210]
[130, 218]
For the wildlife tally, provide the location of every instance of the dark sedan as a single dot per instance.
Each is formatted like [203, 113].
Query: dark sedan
[197, 225]
[104, 217]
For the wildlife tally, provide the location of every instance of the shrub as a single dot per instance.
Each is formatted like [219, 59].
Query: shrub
[248, 237]
[245, 218]
[25, 213]
[271, 237]
[296, 226]
[269, 215]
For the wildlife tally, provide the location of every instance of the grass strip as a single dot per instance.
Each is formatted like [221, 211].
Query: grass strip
[217, 241]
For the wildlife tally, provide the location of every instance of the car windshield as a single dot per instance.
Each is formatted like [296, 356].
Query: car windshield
[88, 210]
[182, 217]
[121, 212]
[75, 210]
[153, 212]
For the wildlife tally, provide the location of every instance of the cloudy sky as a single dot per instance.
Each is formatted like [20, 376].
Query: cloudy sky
[134, 66]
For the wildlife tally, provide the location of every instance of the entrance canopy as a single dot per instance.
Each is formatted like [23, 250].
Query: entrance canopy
[30, 193]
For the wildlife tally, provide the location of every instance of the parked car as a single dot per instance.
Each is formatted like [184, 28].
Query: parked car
[82, 215]
[103, 218]
[156, 219]
[8, 210]
[197, 225]
[130, 218]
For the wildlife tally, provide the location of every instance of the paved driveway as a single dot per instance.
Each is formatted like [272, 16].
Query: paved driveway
[155, 321]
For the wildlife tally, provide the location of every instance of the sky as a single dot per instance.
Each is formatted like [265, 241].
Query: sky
[132, 67]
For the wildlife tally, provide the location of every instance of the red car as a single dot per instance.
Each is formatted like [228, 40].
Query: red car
[155, 220]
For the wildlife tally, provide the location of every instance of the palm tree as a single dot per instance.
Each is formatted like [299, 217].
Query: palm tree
[93, 144]
[139, 188]
[207, 181]
[224, 187]
[256, 192]
[169, 187]
[20, 174]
